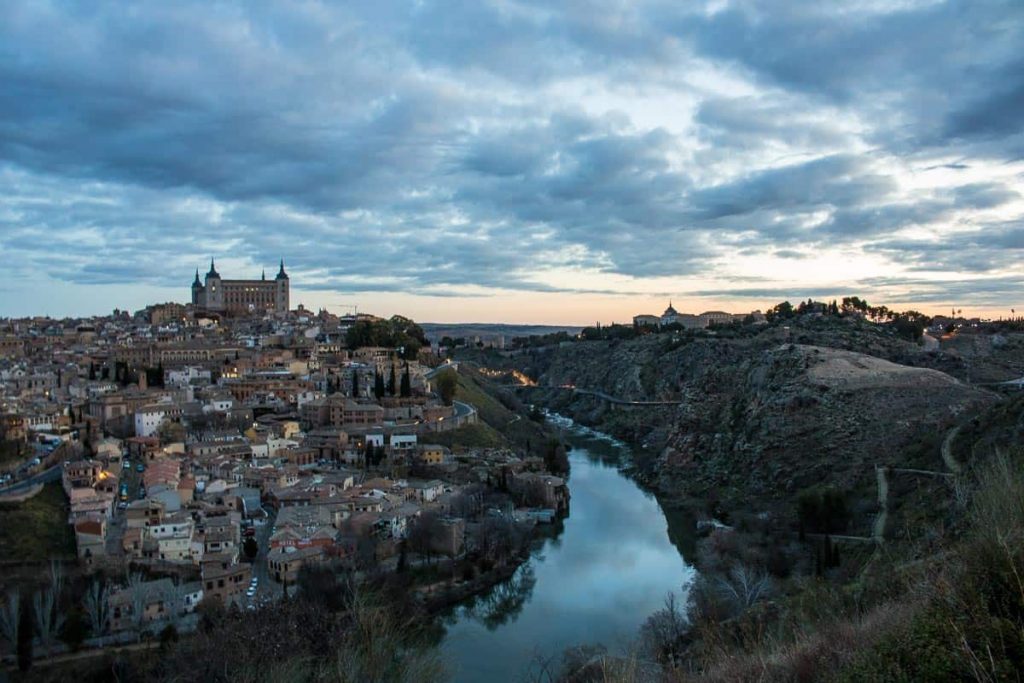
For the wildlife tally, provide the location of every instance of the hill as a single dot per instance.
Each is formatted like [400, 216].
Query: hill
[762, 414]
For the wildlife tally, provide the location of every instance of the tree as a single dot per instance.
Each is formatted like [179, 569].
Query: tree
[782, 311]
[368, 454]
[556, 460]
[49, 619]
[422, 533]
[355, 382]
[406, 390]
[75, 630]
[10, 615]
[168, 636]
[251, 548]
[378, 384]
[402, 557]
[662, 633]
[391, 381]
[137, 601]
[447, 384]
[24, 636]
[95, 604]
[744, 587]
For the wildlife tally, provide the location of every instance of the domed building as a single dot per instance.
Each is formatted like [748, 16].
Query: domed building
[670, 316]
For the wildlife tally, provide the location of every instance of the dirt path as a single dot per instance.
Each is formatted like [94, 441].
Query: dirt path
[947, 452]
[878, 532]
[88, 654]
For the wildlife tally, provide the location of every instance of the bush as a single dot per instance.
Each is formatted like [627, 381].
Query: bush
[823, 511]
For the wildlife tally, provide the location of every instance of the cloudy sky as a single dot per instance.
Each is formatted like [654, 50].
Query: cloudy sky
[514, 160]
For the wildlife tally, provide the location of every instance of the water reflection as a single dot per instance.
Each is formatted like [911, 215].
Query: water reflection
[496, 607]
[596, 582]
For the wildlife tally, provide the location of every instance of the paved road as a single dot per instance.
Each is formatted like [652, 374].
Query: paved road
[266, 590]
[462, 409]
[46, 476]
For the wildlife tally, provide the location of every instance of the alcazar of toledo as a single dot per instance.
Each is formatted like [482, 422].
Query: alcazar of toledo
[241, 297]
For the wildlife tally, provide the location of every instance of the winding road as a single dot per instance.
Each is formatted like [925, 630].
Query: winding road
[947, 452]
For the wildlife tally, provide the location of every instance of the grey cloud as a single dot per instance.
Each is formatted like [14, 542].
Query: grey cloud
[427, 146]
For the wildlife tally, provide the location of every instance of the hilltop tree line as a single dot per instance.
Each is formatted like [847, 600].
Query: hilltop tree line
[909, 324]
[397, 332]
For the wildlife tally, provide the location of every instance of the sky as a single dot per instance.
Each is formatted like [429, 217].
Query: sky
[514, 160]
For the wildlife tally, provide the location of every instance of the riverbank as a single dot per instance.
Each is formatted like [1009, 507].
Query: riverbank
[594, 582]
[440, 597]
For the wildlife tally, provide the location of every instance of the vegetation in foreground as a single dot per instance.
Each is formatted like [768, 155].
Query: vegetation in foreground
[37, 529]
[949, 607]
[332, 630]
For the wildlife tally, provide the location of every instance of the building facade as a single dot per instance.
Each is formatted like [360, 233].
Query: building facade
[241, 297]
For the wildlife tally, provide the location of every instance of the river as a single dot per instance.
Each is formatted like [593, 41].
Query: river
[616, 558]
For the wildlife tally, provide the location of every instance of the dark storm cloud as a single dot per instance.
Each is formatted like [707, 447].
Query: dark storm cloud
[440, 147]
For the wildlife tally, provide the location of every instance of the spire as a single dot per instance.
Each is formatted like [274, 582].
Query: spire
[196, 282]
[281, 275]
[213, 270]
[264, 276]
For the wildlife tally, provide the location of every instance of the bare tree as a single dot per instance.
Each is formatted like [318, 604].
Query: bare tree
[173, 598]
[423, 530]
[743, 586]
[56, 579]
[9, 615]
[663, 631]
[97, 607]
[48, 618]
[137, 601]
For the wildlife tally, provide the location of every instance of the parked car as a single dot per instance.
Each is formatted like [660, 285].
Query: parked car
[140, 467]
[251, 592]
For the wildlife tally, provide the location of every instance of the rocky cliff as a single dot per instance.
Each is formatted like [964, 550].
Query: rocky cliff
[762, 415]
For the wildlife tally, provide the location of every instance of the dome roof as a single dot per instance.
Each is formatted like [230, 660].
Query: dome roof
[670, 310]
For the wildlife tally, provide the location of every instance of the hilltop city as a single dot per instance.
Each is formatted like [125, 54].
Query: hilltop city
[207, 452]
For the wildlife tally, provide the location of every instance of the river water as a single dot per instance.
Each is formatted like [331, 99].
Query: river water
[616, 558]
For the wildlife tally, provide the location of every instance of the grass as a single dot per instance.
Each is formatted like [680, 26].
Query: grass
[951, 609]
[498, 425]
[12, 451]
[37, 529]
[478, 435]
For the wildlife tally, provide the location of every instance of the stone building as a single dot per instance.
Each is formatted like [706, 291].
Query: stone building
[241, 297]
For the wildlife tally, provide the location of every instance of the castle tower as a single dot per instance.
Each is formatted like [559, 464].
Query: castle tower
[281, 297]
[214, 289]
[197, 291]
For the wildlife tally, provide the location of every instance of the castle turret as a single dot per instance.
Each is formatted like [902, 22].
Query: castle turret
[281, 296]
[197, 291]
[214, 290]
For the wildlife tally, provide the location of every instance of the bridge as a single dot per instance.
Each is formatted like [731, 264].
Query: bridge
[603, 396]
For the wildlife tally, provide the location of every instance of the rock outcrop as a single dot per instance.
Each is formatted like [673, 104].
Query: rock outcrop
[759, 417]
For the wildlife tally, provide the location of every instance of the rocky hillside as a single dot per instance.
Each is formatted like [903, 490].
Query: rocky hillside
[766, 415]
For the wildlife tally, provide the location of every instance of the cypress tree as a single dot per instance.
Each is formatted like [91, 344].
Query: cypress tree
[378, 384]
[24, 637]
[355, 382]
[391, 381]
[406, 390]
